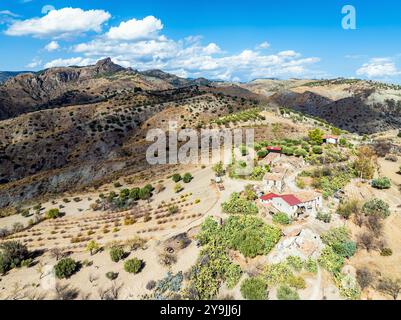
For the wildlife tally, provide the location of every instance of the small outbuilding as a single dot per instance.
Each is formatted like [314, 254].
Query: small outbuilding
[331, 139]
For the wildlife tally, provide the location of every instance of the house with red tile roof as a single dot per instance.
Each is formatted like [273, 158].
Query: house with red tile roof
[331, 139]
[294, 205]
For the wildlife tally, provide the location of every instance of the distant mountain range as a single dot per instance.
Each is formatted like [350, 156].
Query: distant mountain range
[5, 75]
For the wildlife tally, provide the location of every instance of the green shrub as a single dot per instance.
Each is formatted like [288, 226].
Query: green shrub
[346, 249]
[386, 252]
[65, 268]
[317, 150]
[250, 235]
[262, 154]
[112, 275]
[377, 207]
[239, 205]
[335, 236]
[178, 188]
[348, 208]
[213, 268]
[12, 254]
[295, 262]
[133, 265]
[116, 253]
[26, 263]
[134, 194]
[254, 289]
[176, 178]
[325, 217]
[339, 240]
[381, 183]
[311, 266]
[187, 178]
[330, 260]
[53, 214]
[281, 218]
[297, 282]
[286, 293]
[300, 153]
[316, 136]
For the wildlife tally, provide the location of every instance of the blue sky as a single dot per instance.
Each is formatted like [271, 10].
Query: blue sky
[228, 40]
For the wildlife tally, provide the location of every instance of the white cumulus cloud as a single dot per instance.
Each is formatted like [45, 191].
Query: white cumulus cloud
[136, 29]
[60, 23]
[378, 68]
[263, 45]
[78, 61]
[139, 44]
[52, 46]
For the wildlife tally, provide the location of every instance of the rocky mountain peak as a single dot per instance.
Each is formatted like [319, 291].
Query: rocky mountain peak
[107, 65]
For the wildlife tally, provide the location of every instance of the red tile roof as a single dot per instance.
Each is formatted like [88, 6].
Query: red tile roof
[289, 198]
[330, 137]
[273, 148]
[269, 196]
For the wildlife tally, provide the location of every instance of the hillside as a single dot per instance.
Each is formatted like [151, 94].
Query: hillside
[91, 123]
[5, 75]
[357, 106]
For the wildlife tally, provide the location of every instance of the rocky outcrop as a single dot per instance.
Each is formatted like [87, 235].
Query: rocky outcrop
[304, 244]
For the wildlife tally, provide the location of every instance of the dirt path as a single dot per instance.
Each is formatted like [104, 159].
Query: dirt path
[317, 288]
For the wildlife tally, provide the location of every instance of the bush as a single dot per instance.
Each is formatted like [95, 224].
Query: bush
[250, 235]
[254, 289]
[262, 154]
[93, 247]
[335, 236]
[133, 265]
[300, 153]
[65, 268]
[112, 275]
[151, 285]
[338, 239]
[364, 278]
[317, 150]
[346, 249]
[316, 136]
[286, 293]
[12, 254]
[53, 214]
[239, 205]
[331, 261]
[390, 286]
[297, 282]
[386, 252]
[116, 253]
[295, 262]
[348, 208]
[376, 207]
[381, 183]
[311, 266]
[176, 178]
[178, 188]
[325, 217]
[281, 218]
[187, 178]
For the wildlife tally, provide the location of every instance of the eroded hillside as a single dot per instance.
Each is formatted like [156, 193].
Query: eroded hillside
[103, 132]
[357, 106]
